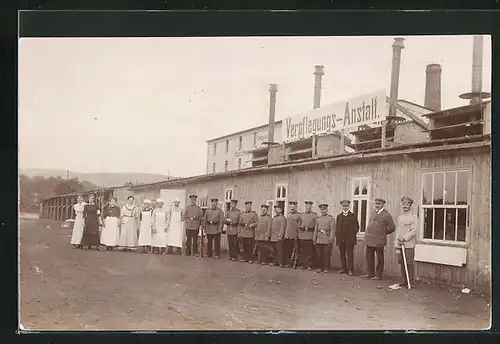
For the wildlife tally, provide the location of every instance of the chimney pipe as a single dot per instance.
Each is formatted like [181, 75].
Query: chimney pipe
[433, 87]
[397, 47]
[272, 111]
[318, 76]
[477, 68]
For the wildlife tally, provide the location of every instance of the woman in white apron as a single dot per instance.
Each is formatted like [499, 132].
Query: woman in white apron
[111, 226]
[145, 236]
[175, 233]
[76, 236]
[129, 224]
[160, 225]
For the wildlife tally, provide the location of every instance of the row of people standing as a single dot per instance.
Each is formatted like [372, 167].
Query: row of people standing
[297, 236]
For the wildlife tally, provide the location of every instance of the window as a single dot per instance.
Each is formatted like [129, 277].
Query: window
[240, 146]
[215, 148]
[213, 167]
[227, 146]
[360, 196]
[255, 139]
[228, 196]
[445, 202]
[281, 196]
[226, 163]
[239, 163]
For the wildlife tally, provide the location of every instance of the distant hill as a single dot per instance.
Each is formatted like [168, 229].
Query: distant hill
[105, 179]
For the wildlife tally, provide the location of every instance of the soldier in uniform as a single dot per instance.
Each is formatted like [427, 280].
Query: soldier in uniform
[248, 223]
[380, 225]
[345, 236]
[306, 232]
[193, 220]
[261, 233]
[213, 222]
[323, 237]
[233, 217]
[276, 234]
[291, 233]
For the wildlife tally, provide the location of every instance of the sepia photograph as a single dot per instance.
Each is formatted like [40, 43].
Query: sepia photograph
[255, 183]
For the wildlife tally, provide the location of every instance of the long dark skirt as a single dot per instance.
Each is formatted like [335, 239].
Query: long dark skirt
[91, 232]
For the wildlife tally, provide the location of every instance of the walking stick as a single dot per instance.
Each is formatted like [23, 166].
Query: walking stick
[406, 266]
[295, 253]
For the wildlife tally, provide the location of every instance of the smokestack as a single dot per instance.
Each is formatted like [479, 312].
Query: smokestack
[272, 111]
[477, 68]
[433, 87]
[318, 76]
[397, 47]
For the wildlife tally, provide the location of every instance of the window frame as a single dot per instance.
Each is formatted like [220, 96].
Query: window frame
[281, 198]
[227, 200]
[361, 198]
[467, 207]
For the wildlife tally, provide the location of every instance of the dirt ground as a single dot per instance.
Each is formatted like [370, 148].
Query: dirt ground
[63, 288]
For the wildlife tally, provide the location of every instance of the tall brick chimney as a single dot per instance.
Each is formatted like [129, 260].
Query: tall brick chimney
[318, 76]
[397, 47]
[272, 111]
[433, 87]
[477, 68]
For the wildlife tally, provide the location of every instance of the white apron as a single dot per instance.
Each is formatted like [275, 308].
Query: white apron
[111, 232]
[128, 235]
[160, 237]
[76, 236]
[145, 237]
[175, 235]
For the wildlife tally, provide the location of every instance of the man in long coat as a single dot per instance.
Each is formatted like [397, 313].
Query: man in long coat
[306, 232]
[381, 224]
[347, 227]
[193, 220]
[213, 222]
[233, 217]
[248, 223]
[323, 237]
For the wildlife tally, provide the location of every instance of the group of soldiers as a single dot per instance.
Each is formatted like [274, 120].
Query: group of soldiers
[299, 239]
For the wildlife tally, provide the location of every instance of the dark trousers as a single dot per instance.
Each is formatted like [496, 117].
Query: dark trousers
[289, 244]
[410, 258]
[278, 248]
[306, 248]
[248, 249]
[262, 250]
[323, 253]
[347, 256]
[234, 246]
[213, 243]
[370, 261]
[192, 242]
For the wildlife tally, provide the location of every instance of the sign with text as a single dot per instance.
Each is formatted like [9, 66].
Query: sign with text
[348, 114]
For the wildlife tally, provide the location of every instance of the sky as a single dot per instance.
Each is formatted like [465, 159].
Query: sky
[148, 105]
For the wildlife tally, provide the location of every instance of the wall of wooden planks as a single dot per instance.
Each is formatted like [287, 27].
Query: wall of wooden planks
[391, 178]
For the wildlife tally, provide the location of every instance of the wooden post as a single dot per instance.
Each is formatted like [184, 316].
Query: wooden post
[342, 142]
[314, 138]
[487, 119]
[384, 133]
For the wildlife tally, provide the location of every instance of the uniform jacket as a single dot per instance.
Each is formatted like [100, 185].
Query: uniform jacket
[292, 225]
[194, 217]
[307, 226]
[346, 229]
[213, 221]
[248, 223]
[325, 230]
[277, 230]
[263, 227]
[406, 228]
[380, 225]
[233, 218]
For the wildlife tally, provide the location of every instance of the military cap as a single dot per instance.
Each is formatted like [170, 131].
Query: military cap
[214, 200]
[309, 202]
[407, 199]
[235, 201]
[323, 205]
[264, 206]
[381, 200]
[292, 203]
[193, 196]
[248, 202]
[345, 201]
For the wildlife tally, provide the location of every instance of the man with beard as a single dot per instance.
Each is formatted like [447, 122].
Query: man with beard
[345, 236]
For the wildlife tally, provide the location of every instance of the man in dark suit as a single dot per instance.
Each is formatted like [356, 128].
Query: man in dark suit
[345, 236]
[380, 225]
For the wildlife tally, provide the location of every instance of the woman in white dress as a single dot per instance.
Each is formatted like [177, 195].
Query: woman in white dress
[145, 236]
[175, 232]
[160, 225]
[129, 224]
[111, 225]
[76, 236]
